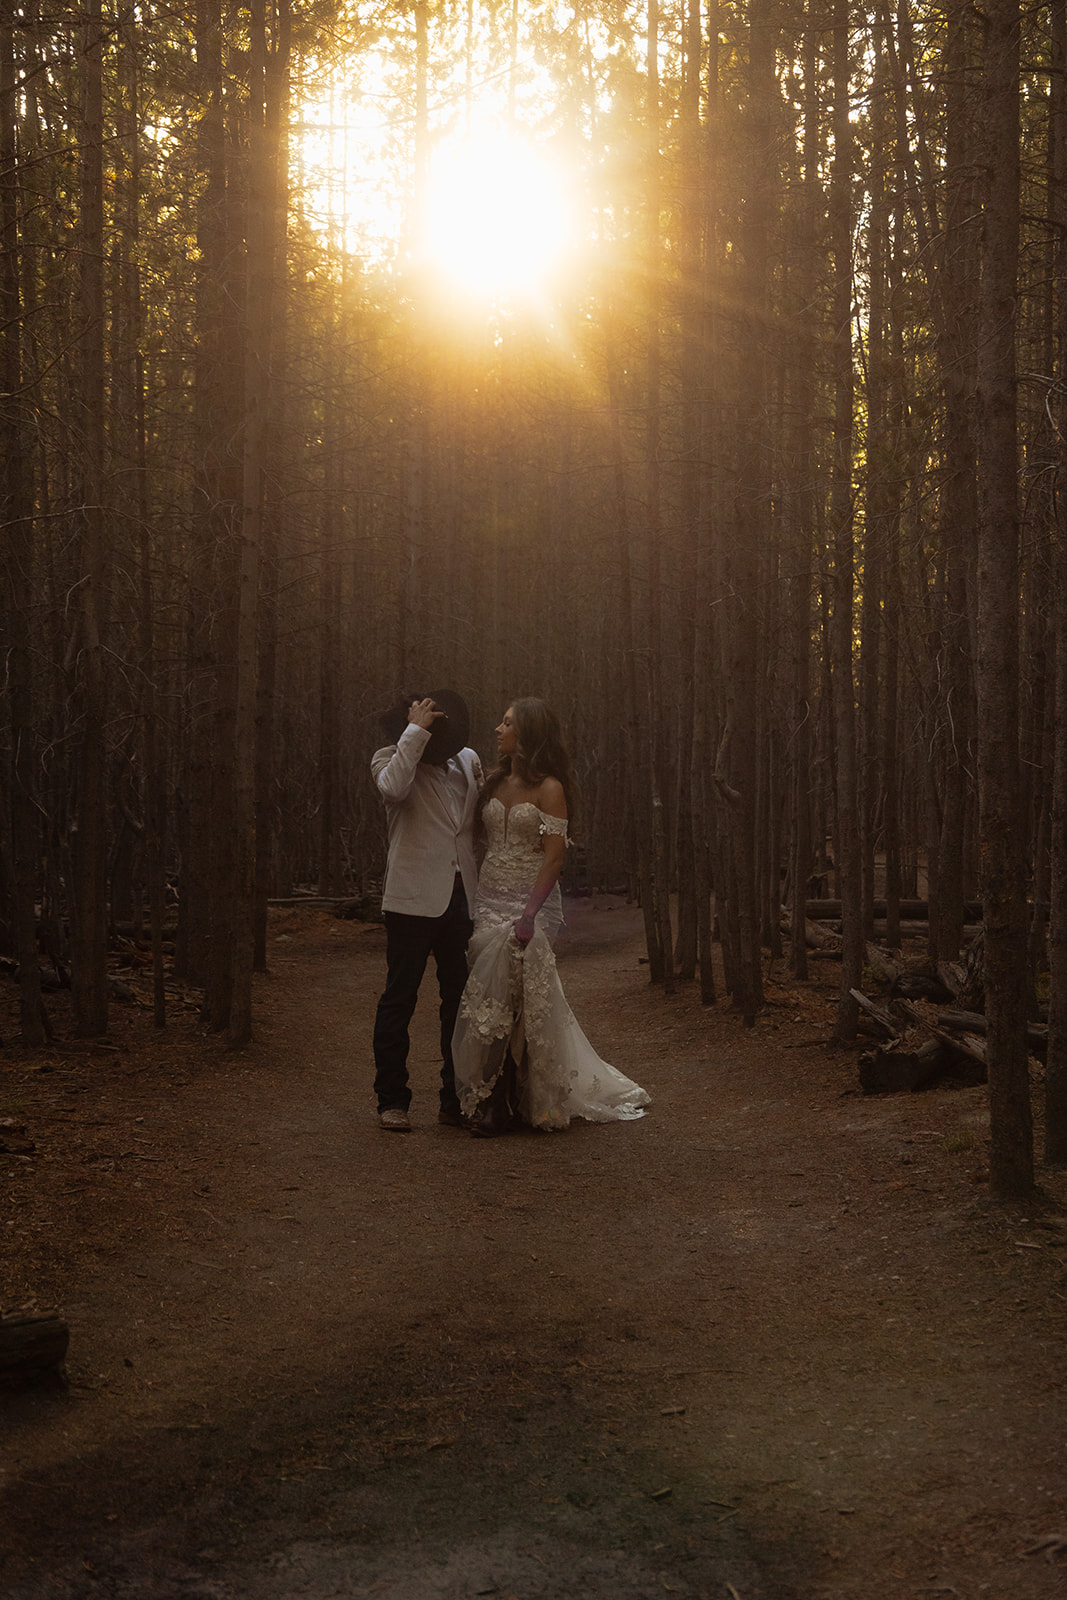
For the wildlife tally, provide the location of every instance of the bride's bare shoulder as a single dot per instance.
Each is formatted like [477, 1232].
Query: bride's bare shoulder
[551, 798]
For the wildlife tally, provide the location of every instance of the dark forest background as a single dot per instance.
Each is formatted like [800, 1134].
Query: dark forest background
[766, 504]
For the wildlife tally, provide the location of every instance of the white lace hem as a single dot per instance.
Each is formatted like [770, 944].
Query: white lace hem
[514, 994]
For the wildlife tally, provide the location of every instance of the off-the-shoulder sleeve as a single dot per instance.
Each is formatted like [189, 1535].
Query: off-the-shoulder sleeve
[554, 825]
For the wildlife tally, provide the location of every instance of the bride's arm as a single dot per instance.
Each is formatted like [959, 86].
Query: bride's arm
[552, 801]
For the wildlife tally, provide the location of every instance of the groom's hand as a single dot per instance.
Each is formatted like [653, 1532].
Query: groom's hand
[423, 713]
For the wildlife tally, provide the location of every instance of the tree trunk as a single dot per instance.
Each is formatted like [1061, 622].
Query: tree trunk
[651, 573]
[199, 815]
[16, 515]
[89, 909]
[1001, 827]
[741, 770]
[259, 250]
[704, 337]
[409, 649]
[153, 782]
[801, 503]
[691, 415]
[1056, 1060]
[957, 344]
[278, 121]
[894, 624]
[849, 875]
[881, 466]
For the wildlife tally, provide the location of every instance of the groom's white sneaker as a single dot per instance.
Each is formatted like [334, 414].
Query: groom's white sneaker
[394, 1120]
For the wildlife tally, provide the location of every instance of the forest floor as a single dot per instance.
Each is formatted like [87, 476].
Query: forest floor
[771, 1342]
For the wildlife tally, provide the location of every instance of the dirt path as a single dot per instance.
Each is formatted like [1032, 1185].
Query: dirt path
[771, 1341]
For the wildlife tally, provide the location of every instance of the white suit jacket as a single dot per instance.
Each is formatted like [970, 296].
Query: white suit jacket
[428, 843]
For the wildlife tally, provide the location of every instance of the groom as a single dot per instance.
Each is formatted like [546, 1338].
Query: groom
[429, 781]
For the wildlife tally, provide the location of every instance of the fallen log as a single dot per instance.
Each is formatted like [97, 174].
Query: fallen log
[31, 1342]
[969, 1044]
[910, 910]
[887, 969]
[915, 980]
[815, 938]
[894, 1071]
[974, 1022]
[889, 1024]
[952, 975]
[904, 1067]
[908, 930]
[919, 985]
[965, 1021]
[313, 900]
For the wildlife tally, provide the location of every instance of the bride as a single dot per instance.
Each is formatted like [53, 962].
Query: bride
[519, 1054]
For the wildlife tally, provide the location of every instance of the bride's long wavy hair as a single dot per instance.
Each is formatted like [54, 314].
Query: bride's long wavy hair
[540, 752]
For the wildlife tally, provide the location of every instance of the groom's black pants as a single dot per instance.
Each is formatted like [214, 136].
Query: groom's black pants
[410, 941]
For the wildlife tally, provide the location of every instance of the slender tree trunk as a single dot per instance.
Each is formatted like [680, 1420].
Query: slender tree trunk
[16, 515]
[690, 243]
[330, 577]
[257, 396]
[707, 441]
[635, 636]
[89, 911]
[801, 500]
[199, 816]
[1055, 1153]
[278, 123]
[752, 502]
[890, 738]
[957, 344]
[894, 609]
[153, 783]
[654, 523]
[329, 764]
[849, 874]
[880, 464]
[700, 798]
[1001, 826]
[225, 585]
[410, 647]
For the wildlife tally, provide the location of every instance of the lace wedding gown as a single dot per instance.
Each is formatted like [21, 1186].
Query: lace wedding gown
[514, 1001]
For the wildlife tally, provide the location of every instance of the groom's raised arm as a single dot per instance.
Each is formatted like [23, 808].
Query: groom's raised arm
[394, 767]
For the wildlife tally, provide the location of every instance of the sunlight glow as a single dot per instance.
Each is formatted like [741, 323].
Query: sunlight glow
[498, 216]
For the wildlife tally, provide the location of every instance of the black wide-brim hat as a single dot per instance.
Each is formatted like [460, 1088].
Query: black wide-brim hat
[451, 733]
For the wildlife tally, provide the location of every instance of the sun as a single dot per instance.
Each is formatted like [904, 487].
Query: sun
[498, 216]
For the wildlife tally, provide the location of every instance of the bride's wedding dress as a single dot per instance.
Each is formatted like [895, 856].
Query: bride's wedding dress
[514, 1002]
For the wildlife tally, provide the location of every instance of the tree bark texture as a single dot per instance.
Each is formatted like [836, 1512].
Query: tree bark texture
[16, 513]
[260, 263]
[1056, 1060]
[848, 858]
[1000, 825]
[88, 848]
